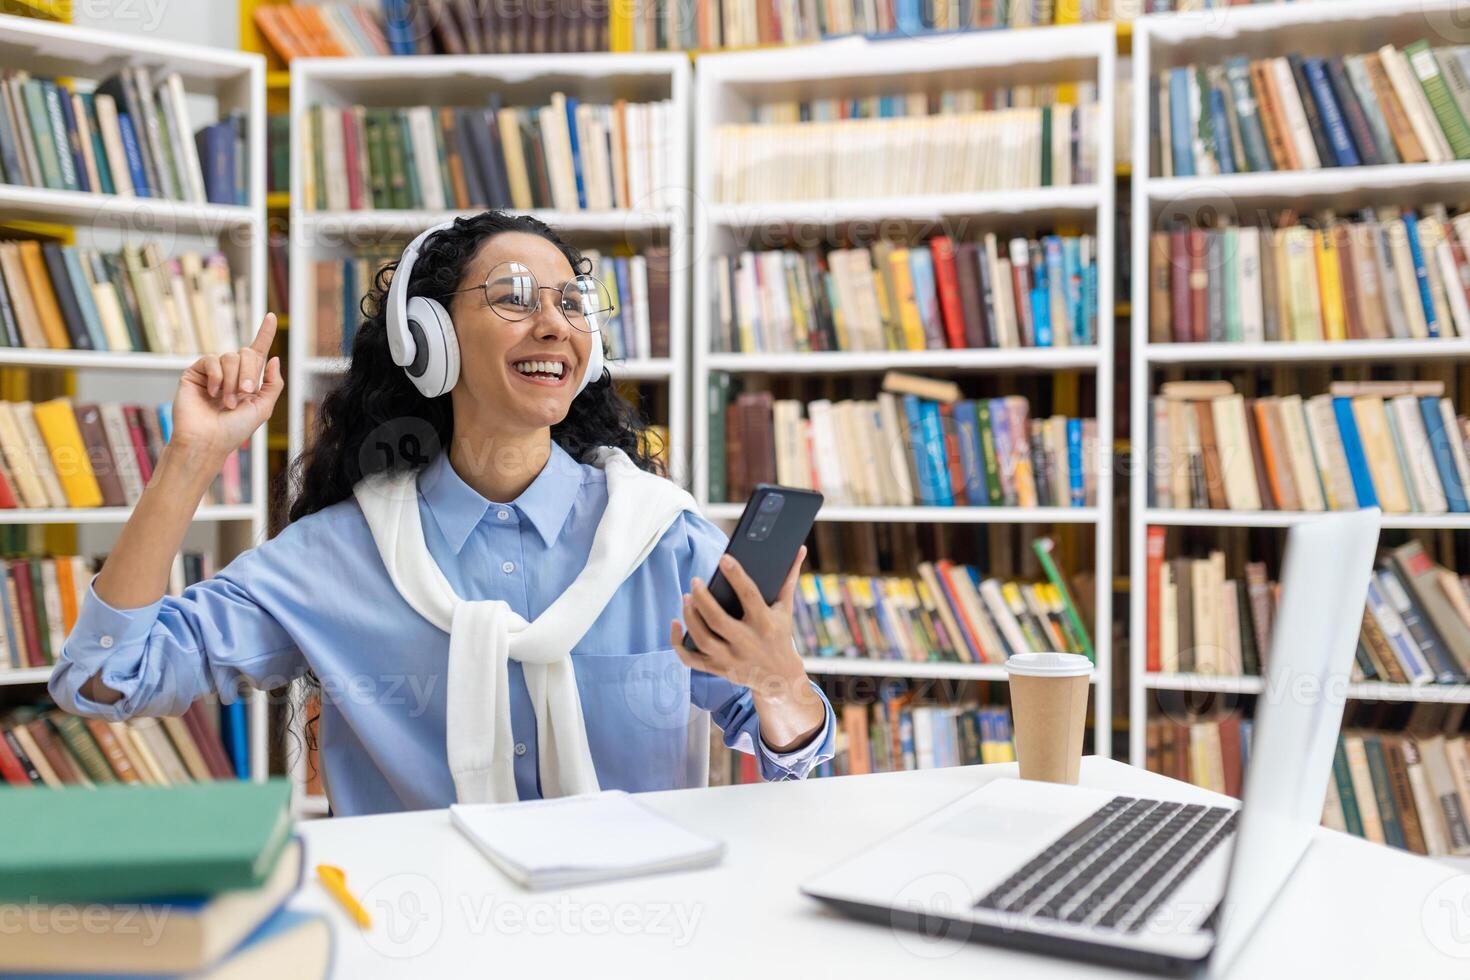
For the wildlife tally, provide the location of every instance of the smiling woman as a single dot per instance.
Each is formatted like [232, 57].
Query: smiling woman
[476, 517]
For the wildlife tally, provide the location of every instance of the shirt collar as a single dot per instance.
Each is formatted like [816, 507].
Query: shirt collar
[458, 508]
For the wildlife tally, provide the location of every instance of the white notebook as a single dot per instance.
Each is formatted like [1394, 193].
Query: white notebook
[578, 839]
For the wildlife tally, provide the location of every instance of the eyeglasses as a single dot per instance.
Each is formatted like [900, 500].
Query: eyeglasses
[512, 293]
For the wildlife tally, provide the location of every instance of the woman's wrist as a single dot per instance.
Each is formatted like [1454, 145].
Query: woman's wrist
[183, 466]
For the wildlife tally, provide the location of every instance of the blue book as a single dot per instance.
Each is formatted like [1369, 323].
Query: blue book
[233, 733]
[571, 105]
[934, 451]
[1089, 300]
[926, 298]
[73, 135]
[1072, 279]
[625, 293]
[1352, 445]
[1004, 442]
[1444, 461]
[887, 629]
[1179, 124]
[1421, 273]
[906, 739]
[166, 420]
[963, 642]
[216, 148]
[914, 437]
[1075, 476]
[1331, 113]
[1220, 129]
[398, 26]
[967, 430]
[136, 172]
[81, 286]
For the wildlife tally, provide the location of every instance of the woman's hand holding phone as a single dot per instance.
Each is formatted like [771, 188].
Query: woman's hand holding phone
[756, 651]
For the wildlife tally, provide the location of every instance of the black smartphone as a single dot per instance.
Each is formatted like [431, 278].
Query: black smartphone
[775, 522]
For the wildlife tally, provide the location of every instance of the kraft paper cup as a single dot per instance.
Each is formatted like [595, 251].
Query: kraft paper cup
[1049, 713]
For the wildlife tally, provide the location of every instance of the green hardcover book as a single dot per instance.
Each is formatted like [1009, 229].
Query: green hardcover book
[1248, 113]
[1388, 811]
[410, 163]
[377, 160]
[38, 594]
[194, 839]
[391, 133]
[318, 200]
[1046, 146]
[987, 452]
[77, 738]
[1426, 69]
[1344, 779]
[34, 93]
[1043, 548]
[719, 398]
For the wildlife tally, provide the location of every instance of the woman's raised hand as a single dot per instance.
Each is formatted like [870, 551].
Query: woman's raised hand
[223, 398]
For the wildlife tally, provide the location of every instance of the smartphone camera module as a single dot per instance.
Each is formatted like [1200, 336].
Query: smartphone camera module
[765, 517]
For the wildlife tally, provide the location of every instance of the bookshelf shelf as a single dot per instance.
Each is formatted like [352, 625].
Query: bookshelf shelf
[218, 82]
[24, 675]
[1286, 518]
[139, 214]
[854, 362]
[1162, 42]
[1075, 202]
[731, 84]
[934, 515]
[405, 223]
[1328, 351]
[1361, 691]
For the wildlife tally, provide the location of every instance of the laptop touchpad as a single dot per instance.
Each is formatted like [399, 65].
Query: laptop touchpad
[991, 821]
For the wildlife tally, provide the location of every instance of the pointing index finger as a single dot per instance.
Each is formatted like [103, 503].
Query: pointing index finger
[263, 337]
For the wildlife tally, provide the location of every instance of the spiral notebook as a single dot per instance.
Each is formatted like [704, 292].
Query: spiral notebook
[574, 840]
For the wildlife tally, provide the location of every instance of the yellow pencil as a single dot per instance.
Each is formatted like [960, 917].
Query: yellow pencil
[334, 880]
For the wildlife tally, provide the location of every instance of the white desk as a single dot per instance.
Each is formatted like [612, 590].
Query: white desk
[1353, 909]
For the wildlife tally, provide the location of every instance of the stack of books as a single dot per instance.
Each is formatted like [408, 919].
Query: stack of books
[186, 880]
[1375, 275]
[907, 144]
[901, 450]
[948, 613]
[933, 295]
[70, 297]
[50, 748]
[1397, 445]
[1416, 625]
[637, 286]
[1394, 105]
[566, 155]
[130, 136]
[60, 454]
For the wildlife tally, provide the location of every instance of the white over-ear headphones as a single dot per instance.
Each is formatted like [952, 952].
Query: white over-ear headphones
[421, 334]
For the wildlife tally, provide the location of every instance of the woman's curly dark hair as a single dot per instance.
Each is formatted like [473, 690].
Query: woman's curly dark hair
[377, 397]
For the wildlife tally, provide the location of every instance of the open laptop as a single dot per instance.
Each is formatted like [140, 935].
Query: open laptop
[1139, 883]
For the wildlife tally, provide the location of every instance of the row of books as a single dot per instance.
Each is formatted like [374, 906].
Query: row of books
[948, 613]
[638, 286]
[39, 601]
[567, 155]
[1389, 444]
[1375, 275]
[933, 295]
[1415, 629]
[901, 450]
[1208, 752]
[54, 749]
[480, 27]
[1002, 149]
[60, 454]
[943, 102]
[130, 136]
[1394, 105]
[70, 297]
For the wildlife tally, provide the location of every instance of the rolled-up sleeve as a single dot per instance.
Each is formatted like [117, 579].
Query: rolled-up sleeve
[731, 706]
[163, 656]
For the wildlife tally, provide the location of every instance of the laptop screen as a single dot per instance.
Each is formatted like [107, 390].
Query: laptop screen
[1324, 585]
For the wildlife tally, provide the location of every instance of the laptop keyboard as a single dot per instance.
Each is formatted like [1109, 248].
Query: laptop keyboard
[1116, 867]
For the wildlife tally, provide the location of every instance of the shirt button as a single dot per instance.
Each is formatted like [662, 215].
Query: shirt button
[508, 567]
[105, 643]
[504, 515]
[520, 748]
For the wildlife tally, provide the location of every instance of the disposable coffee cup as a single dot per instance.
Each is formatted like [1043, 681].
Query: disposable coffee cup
[1049, 712]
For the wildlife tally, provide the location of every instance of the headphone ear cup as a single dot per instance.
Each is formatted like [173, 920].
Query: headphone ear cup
[594, 363]
[434, 369]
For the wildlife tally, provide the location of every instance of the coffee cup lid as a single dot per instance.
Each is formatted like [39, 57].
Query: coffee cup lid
[1049, 665]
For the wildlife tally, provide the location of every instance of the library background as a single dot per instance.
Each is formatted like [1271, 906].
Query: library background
[1068, 308]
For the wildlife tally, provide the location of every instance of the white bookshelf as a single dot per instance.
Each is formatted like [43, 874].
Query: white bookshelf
[231, 81]
[1165, 41]
[466, 81]
[729, 85]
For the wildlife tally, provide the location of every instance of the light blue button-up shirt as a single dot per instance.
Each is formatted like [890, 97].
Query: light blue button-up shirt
[318, 597]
